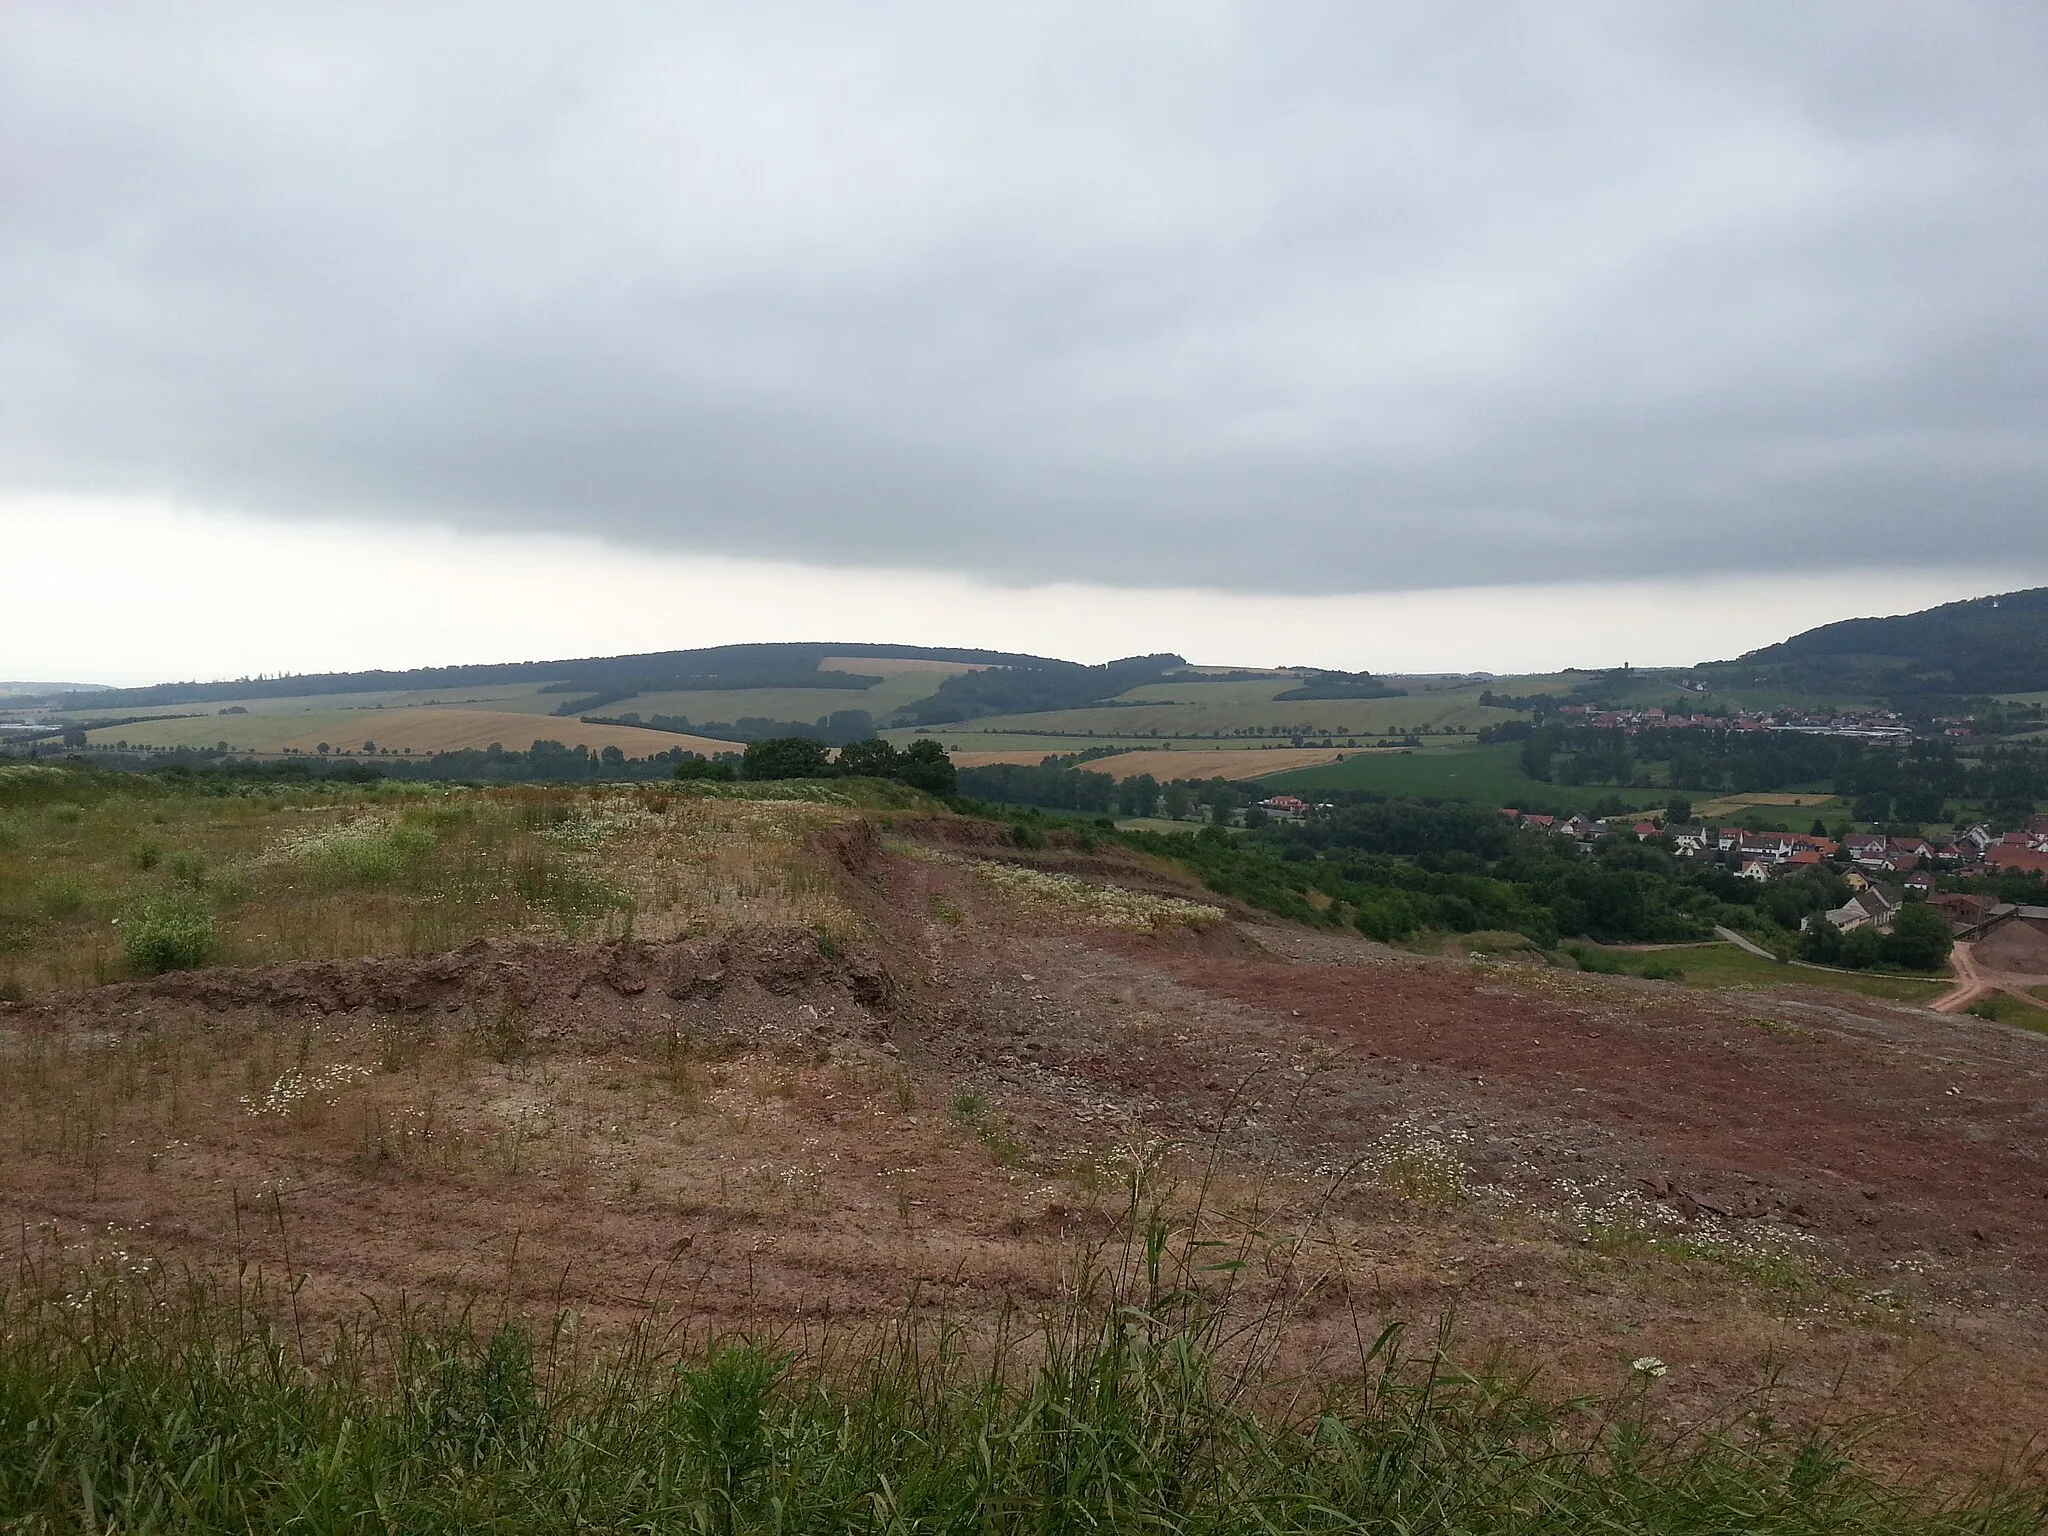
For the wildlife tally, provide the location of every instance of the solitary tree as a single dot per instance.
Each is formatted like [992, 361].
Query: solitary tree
[1920, 939]
[926, 766]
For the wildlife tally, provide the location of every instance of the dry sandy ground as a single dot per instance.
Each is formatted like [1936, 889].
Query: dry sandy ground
[1846, 1198]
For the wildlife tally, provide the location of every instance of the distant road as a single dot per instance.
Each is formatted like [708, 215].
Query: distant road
[1742, 943]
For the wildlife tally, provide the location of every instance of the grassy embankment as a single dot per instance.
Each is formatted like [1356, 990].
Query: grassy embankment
[109, 875]
[2004, 1008]
[1723, 965]
[1147, 1400]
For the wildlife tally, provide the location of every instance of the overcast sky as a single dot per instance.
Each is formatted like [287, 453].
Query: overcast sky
[1239, 299]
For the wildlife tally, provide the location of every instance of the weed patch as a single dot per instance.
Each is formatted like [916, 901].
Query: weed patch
[170, 931]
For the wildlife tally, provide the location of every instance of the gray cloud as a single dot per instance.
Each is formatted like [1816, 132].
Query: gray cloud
[1297, 297]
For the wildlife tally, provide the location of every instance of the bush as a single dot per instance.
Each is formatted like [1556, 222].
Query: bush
[1597, 961]
[693, 770]
[62, 895]
[377, 856]
[169, 932]
[785, 757]
[1919, 940]
[926, 766]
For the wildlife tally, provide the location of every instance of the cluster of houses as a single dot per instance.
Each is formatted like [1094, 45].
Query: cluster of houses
[1286, 807]
[1764, 856]
[1862, 725]
[1761, 855]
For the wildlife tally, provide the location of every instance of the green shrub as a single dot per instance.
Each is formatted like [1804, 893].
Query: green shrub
[62, 895]
[694, 769]
[378, 856]
[1597, 961]
[146, 855]
[172, 931]
[188, 868]
[1134, 1414]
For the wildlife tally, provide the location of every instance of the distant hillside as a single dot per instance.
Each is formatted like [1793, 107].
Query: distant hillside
[719, 667]
[16, 690]
[1985, 645]
[1035, 686]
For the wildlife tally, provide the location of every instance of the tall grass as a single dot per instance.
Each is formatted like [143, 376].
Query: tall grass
[1144, 1402]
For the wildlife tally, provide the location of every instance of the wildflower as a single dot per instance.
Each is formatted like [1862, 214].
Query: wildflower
[1649, 1365]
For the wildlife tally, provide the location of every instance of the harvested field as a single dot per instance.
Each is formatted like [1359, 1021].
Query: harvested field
[420, 729]
[764, 1120]
[451, 730]
[1249, 763]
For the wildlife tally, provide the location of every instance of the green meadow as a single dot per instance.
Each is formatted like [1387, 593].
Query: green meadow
[1489, 775]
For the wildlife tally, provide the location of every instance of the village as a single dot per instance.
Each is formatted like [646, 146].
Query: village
[1860, 725]
[1864, 860]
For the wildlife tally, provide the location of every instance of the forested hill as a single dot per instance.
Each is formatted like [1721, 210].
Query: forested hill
[792, 664]
[1038, 685]
[1984, 645]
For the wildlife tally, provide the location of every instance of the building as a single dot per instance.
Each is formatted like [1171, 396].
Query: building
[1871, 907]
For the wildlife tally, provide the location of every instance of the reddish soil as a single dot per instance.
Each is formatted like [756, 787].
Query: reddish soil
[1846, 1196]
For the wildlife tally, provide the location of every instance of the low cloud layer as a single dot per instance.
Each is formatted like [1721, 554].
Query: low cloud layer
[1275, 298]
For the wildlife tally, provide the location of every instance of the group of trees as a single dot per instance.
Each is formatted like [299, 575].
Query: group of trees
[839, 728]
[1918, 783]
[1919, 940]
[1392, 867]
[1029, 689]
[922, 765]
[1062, 784]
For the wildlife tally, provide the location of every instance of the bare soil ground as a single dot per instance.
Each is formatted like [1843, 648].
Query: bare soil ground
[764, 1128]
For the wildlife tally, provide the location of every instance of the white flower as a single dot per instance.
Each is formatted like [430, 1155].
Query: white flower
[1649, 1365]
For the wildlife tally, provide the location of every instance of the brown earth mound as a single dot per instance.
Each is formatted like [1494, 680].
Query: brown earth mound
[2016, 946]
[770, 1126]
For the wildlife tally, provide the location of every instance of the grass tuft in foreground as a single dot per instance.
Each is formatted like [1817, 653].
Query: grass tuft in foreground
[1146, 1402]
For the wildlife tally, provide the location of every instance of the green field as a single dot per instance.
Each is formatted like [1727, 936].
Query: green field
[1188, 713]
[1490, 775]
[1731, 687]
[1723, 965]
[2007, 1009]
[881, 700]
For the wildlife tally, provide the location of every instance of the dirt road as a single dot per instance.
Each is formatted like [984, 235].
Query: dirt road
[1975, 978]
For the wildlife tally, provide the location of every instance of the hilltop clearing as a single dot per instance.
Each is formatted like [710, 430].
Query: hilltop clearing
[805, 1060]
